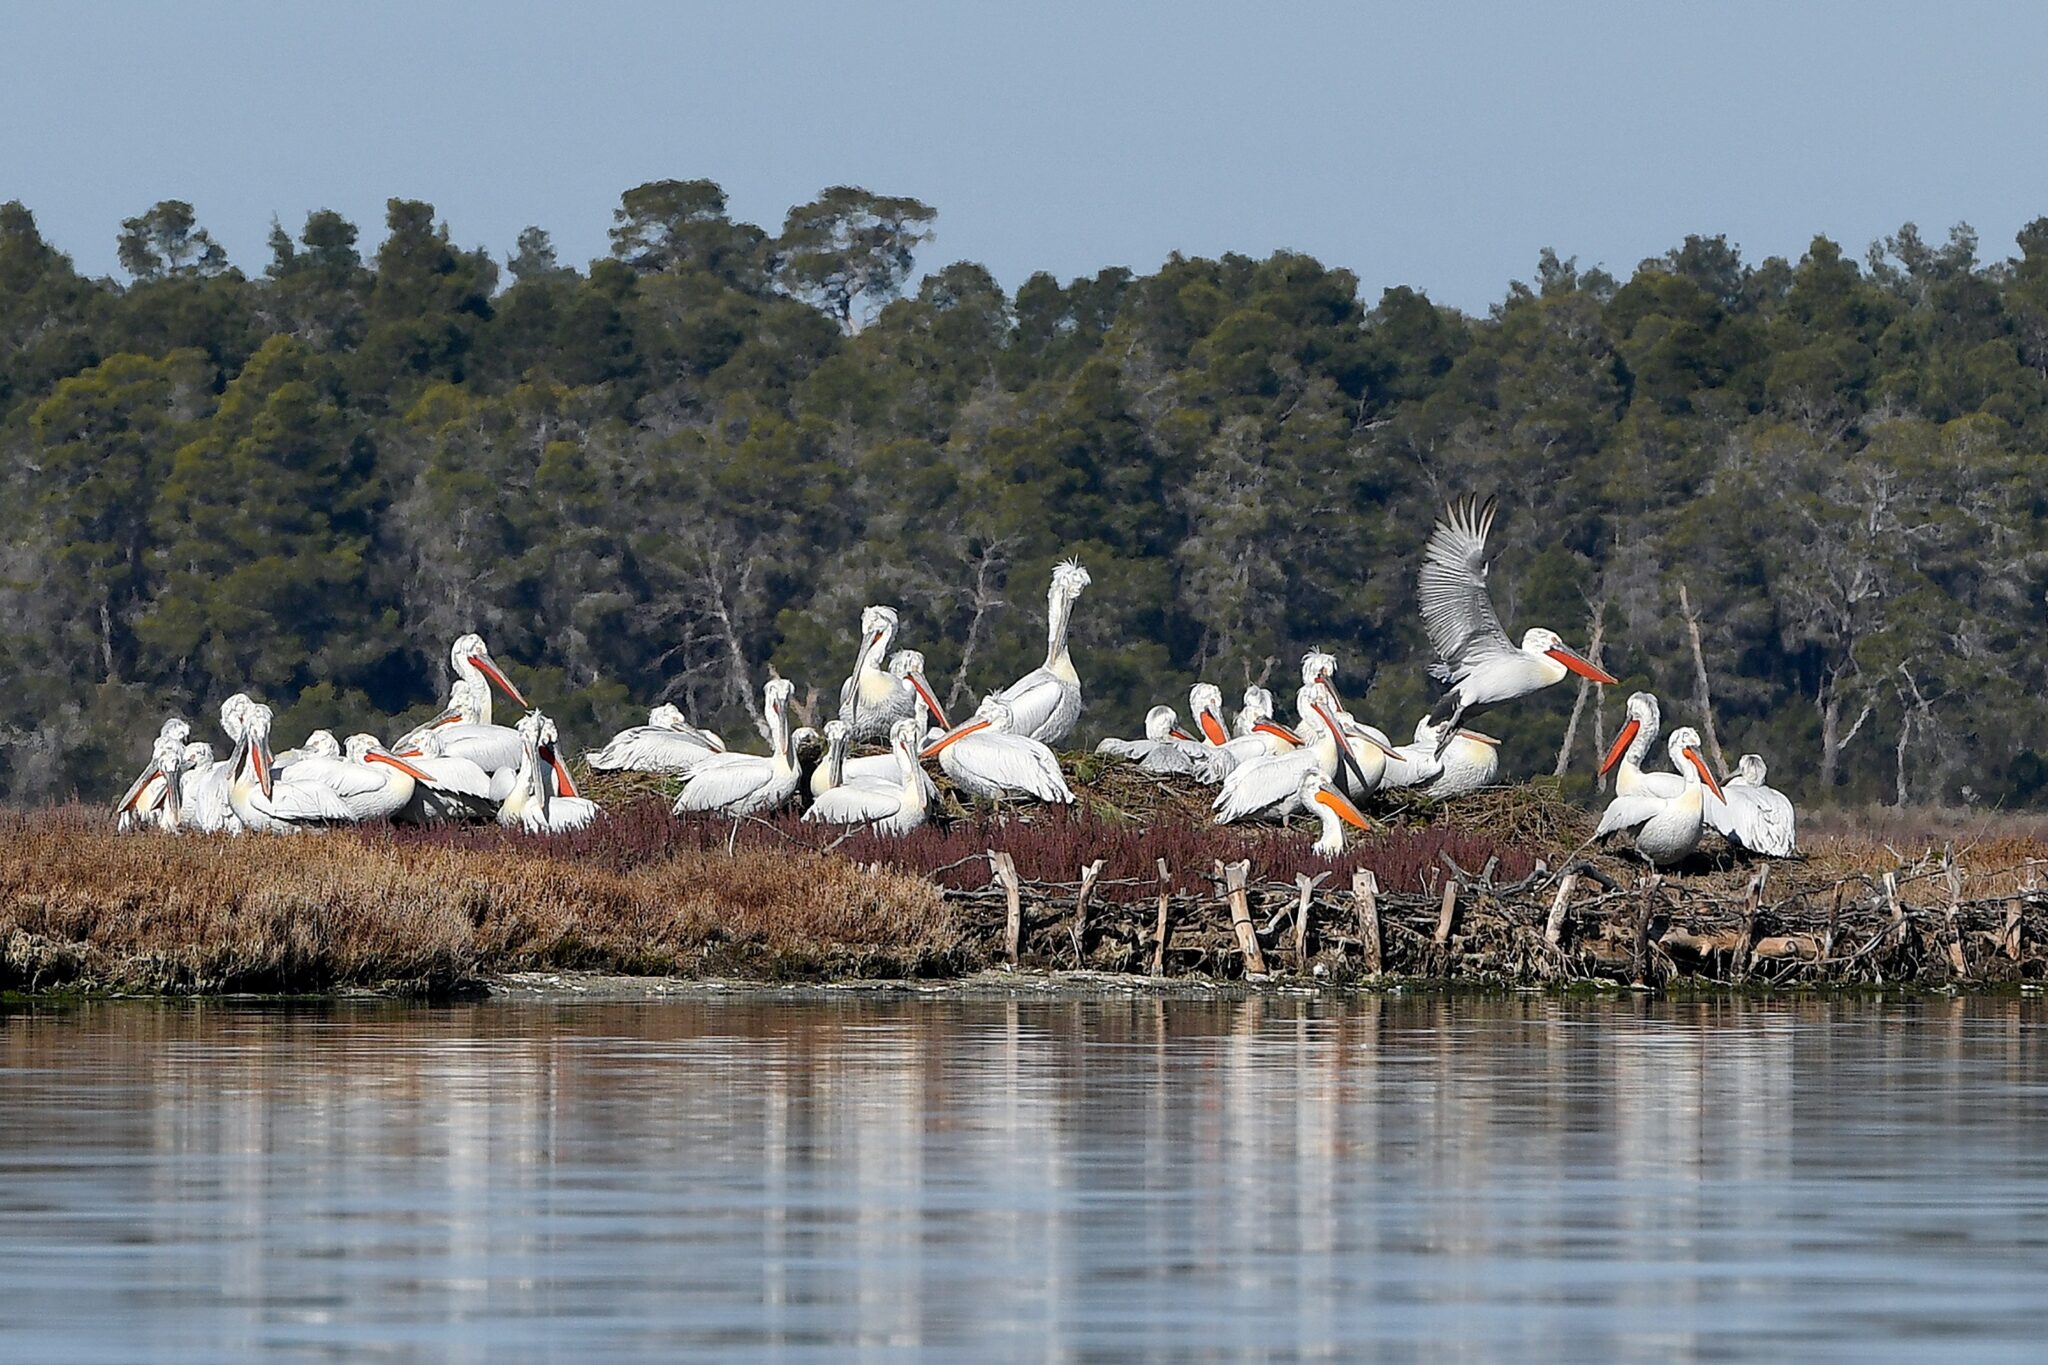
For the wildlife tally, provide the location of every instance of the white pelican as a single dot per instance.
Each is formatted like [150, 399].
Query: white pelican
[987, 759]
[263, 800]
[1205, 712]
[543, 799]
[1475, 656]
[1320, 797]
[1758, 817]
[1166, 748]
[454, 788]
[1468, 762]
[1645, 721]
[747, 784]
[835, 769]
[141, 806]
[371, 781]
[1046, 702]
[888, 805]
[665, 744]
[471, 659]
[466, 732]
[1667, 828]
[870, 700]
[203, 793]
[1258, 706]
[319, 744]
[1270, 787]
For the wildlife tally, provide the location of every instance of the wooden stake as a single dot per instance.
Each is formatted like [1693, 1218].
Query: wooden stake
[1957, 963]
[1446, 916]
[1233, 877]
[1553, 929]
[1365, 890]
[1164, 928]
[1640, 956]
[1306, 885]
[1750, 905]
[2010, 941]
[1005, 868]
[1081, 898]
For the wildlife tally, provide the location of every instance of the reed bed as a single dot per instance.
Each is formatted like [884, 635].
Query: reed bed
[1496, 887]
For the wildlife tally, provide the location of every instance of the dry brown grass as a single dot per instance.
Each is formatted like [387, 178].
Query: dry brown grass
[81, 907]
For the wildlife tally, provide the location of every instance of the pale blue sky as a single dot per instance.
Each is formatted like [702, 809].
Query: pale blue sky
[1436, 145]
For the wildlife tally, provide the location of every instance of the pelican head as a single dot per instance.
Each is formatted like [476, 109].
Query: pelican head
[667, 716]
[837, 734]
[321, 744]
[1684, 748]
[1317, 793]
[1644, 718]
[905, 736]
[1162, 724]
[1068, 579]
[471, 658]
[1205, 708]
[993, 715]
[1317, 667]
[1258, 706]
[369, 749]
[877, 629]
[1750, 770]
[907, 666]
[1545, 643]
[175, 728]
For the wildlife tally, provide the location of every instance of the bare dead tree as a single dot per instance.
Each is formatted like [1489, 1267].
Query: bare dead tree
[989, 564]
[1594, 644]
[1702, 697]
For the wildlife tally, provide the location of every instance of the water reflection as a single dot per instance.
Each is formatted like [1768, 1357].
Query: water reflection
[1175, 1179]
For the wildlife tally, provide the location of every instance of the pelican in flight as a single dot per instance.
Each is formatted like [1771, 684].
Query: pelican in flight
[989, 760]
[748, 784]
[1046, 702]
[1270, 788]
[143, 806]
[1320, 797]
[888, 805]
[1166, 748]
[665, 744]
[265, 801]
[1475, 656]
[1758, 817]
[1667, 828]
[543, 799]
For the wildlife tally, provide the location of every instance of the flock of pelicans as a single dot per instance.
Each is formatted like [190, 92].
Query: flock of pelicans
[462, 765]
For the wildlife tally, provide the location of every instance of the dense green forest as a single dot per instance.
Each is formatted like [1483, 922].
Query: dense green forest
[657, 477]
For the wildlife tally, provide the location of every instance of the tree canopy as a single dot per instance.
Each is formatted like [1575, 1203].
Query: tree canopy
[656, 476]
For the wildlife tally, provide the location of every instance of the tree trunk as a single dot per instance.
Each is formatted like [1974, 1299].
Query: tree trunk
[1571, 729]
[1703, 698]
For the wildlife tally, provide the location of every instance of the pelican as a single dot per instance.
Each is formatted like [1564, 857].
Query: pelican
[1667, 828]
[465, 731]
[1320, 797]
[1758, 817]
[887, 805]
[1258, 706]
[471, 659]
[1166, 748]
[871, 700]
[319, 744]
[665, 744]
[1270, 787]
[263, 800]
[1475, 656]
[543, 799]
[203, 793]
[1645, 721]
[1468, 762]
[141, 805]
[836, 769]
[747, 784]
[453, 788]
[371, 781]
[1046, 702]
[989, 760]
[1205, 709]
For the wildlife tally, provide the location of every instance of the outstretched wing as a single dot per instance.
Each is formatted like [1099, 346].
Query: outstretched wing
[1457, 610]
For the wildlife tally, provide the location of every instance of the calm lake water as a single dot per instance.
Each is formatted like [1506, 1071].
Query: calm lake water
[950, 1177]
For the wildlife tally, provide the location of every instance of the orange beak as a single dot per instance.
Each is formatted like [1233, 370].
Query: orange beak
[449, 719]
[959, 734]
[1621, 742]
[1579, 664]
[1212, 728]
[395, 761]
[1482, 739]
[566, 783]
[1346, 812]
[490, 670]
[931, 703]
[1274, 727]
[1692, 756]
[1177, 733]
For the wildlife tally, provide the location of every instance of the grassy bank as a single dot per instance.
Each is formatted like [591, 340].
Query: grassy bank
[441, 910]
